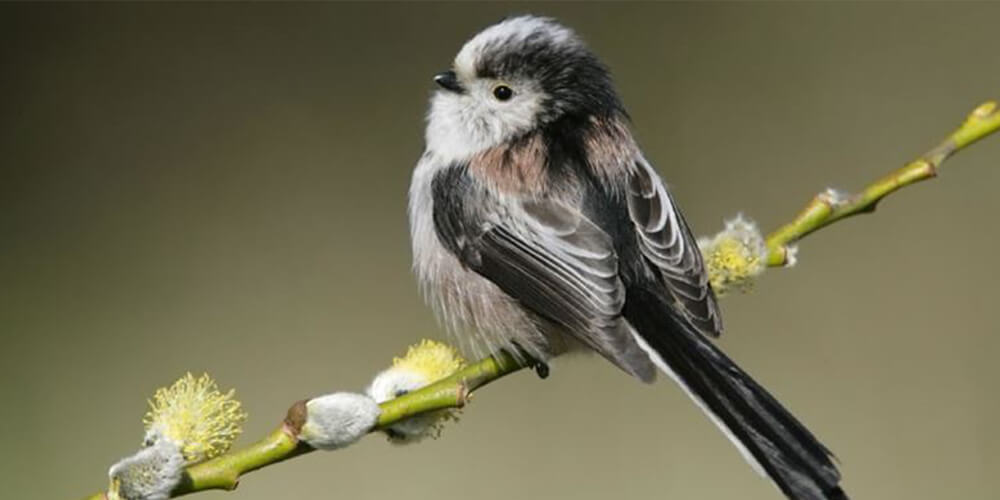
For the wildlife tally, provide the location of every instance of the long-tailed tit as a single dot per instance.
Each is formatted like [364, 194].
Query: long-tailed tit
[539, 227]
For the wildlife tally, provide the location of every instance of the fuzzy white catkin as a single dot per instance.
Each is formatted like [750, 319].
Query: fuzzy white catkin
[393, 383]
[338, 420]
[150, 474]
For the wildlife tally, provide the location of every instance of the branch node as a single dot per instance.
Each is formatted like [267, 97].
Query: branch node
[984, 111]
[462, 394]
[295, 418]
[928, 168]
[835, 198]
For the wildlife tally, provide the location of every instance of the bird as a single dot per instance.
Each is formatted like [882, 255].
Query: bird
[538, 227]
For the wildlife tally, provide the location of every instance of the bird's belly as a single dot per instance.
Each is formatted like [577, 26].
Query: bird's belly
[480, 316]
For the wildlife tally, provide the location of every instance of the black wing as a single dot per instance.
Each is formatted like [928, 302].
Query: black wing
[673, 316]
[545, 254]
[560, 265]
[666, 241]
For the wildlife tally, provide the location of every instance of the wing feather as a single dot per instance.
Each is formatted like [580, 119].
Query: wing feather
[547, 255]
[666, 241]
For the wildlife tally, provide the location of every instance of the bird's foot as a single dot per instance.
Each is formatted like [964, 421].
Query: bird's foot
[540, 368]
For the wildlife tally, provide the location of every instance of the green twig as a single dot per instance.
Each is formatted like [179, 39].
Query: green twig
[224, 472]
[452, 392]
[829, 207]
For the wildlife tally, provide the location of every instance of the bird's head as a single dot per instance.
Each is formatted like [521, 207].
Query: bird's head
[512, 78]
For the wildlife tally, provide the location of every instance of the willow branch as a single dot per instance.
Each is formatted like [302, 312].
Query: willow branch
[224, 472]
[829, 207]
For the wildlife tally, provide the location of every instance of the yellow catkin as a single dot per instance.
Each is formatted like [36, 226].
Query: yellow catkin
[735, 256]
[424, 363]
[432, 360]
[201, 421]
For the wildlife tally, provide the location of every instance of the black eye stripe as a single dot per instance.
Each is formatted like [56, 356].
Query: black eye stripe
[502, 92]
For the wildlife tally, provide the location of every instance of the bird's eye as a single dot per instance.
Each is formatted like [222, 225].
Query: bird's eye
[502, 92]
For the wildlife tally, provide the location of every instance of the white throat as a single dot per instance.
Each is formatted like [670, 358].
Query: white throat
[455, 131]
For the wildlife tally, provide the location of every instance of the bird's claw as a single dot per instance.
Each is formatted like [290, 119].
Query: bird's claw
[541, 369]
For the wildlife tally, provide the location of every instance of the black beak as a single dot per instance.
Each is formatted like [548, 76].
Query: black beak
[449, 81]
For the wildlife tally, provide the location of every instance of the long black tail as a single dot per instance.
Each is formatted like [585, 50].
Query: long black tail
[767, 434]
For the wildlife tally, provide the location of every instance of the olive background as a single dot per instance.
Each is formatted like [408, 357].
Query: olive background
[222, 188]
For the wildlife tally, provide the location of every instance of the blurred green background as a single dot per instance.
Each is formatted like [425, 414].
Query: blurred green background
[222, 188]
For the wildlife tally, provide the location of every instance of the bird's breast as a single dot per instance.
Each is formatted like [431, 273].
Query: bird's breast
[477, 313]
